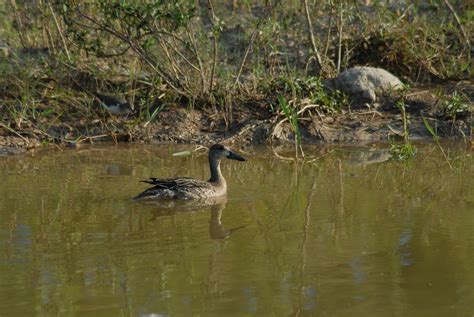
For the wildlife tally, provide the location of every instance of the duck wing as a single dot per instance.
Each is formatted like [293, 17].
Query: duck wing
[109, 100]
[175, 188]
[168, 183]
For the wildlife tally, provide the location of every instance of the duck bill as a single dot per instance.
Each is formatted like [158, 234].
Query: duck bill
[237, 157]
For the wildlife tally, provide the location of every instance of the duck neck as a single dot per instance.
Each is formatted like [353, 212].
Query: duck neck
[216, 175]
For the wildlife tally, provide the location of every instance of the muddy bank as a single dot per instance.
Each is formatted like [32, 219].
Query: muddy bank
[350, 126]
[251, 125]
[232, 74]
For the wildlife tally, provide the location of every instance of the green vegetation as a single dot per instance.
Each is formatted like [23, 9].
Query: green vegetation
[291, 115]
[435, 136]
[216, 55]
[405, 150]
[455, 105]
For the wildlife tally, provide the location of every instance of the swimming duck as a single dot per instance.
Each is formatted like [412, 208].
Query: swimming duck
[188, 188]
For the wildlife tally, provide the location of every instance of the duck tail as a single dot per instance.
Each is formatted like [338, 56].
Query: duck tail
[151, 180]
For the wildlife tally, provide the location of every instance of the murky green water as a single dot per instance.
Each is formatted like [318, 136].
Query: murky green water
[340, 237]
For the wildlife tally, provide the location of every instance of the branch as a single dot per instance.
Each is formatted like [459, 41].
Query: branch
[458, 21]
[174, 66]
[311, 35]
[252, 39]
[61, 35]
[159, 70]
[214, 56]
[195, 51]
[339, 44]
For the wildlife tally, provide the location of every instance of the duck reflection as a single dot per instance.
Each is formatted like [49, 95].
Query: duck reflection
[217, 229]
[362, 157]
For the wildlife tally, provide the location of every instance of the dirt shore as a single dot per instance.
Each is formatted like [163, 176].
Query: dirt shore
[252, 125]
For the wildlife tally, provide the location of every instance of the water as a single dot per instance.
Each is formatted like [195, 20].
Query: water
[351, 234]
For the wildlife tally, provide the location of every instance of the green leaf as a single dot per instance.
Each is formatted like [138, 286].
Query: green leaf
[183, 153]
[429, 128]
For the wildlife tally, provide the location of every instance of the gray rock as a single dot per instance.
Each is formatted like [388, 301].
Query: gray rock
[366, 84]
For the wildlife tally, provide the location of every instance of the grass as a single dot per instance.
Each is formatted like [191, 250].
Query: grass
[291, 115]
[403, 151]
[455, 105]
[406, 150]
[221, 56]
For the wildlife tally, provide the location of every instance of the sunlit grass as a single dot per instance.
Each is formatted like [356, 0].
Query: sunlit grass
[221, 57]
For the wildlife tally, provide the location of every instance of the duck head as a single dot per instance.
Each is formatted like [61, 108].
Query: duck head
[219, 152]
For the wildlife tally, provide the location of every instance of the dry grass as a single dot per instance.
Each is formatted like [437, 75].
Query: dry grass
[218, 56]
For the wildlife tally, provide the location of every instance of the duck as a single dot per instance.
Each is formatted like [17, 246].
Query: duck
[113, 104]
[185, 188]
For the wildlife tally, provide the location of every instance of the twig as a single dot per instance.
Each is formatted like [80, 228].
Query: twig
[417, 93]
[328, 36]
[286, 119]
[339, 44]
[252, 39]
[458, 21]
[108, 55]
[89, 138]
[58, 27]
[160, 71]
[298, 113]
[311, 35]
[177, 51]
[394, 131]
[195, 51]
[373, 112]
[173, 65]
[14, 132]
[20, 28]
[214, 55]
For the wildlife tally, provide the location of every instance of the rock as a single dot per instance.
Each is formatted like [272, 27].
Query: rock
[365, 84]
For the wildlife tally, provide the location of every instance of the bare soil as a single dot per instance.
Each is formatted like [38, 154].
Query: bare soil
[254, 124]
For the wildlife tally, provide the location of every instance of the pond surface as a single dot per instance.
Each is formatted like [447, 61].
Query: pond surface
[350, 234]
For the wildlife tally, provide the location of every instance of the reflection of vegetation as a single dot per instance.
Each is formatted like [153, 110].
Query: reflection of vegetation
[436, 138]
[402, 152]
[68, 234]
[405, 150]
[292, 116]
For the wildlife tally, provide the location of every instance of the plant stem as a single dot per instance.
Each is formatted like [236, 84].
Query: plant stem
[252, 39]
[58, 27]
[339, 44]
[311, 35]
[214, 55]
[458, 21]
